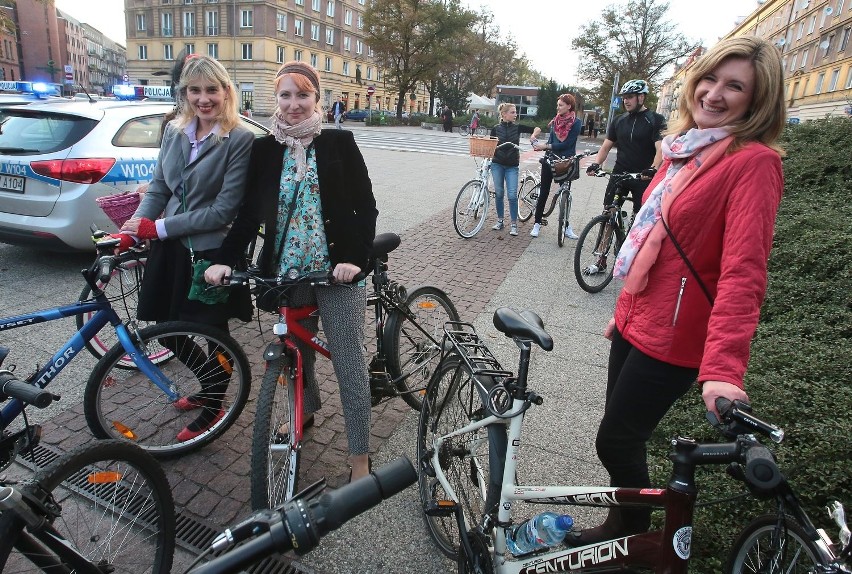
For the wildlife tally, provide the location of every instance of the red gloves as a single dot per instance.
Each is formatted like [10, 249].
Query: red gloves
[147, 229]
[126, 241]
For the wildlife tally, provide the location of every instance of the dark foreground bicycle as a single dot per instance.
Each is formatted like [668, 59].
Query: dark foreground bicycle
[103, 507]
[301, 523]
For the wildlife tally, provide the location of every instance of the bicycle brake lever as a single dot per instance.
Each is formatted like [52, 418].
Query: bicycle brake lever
[260, 521]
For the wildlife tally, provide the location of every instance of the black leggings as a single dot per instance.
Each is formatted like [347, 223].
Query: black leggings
[544, 191]
[639, 392]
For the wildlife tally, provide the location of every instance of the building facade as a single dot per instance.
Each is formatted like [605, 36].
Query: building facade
[74, 52]
[252, 38]
[40, 49]
[814, 39]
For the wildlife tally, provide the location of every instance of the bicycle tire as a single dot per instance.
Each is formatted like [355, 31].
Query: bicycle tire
[451, 402]
[411, 352]
[464, 130]
[274, 467]
[598, 244]
[753, 550]
[470, 209]
[564, 197]
[123, 292]
[125, 405]
[88, 484]
[527, 198]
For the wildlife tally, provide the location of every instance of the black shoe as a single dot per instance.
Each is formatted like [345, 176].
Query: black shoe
[284, 437]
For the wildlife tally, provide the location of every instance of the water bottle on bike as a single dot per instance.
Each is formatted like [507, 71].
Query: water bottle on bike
[543, 530]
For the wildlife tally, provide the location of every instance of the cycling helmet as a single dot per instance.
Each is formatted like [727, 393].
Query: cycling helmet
[634, 87]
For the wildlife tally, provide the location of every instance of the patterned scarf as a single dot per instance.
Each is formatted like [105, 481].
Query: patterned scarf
[691, 154]
[562, 124]
[297, 137]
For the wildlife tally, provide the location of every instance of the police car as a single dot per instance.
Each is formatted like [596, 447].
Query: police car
[57, 157]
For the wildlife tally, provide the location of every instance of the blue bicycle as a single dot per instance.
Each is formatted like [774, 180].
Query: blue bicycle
[155, 381]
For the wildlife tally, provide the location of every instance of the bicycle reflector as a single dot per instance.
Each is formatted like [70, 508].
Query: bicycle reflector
[104, 477]
[125, 431]
[428, 304]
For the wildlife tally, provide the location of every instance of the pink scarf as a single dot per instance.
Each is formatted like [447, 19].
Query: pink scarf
[297, 137]
[562, 124]
[691, 154]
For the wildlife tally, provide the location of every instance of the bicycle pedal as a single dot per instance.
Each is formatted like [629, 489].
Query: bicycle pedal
[28, 440]
[440, 508]
[543, 222]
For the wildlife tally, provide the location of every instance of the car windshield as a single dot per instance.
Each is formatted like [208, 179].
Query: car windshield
[32, 133]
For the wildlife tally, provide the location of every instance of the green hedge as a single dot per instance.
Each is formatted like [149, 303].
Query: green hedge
[801, 358]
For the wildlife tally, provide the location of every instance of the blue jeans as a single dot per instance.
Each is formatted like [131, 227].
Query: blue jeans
[508, 175]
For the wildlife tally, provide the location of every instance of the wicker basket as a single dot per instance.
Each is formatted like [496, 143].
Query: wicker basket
[482, 146]
[120, 206]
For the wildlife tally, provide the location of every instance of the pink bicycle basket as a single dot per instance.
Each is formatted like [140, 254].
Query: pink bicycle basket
[120, 206]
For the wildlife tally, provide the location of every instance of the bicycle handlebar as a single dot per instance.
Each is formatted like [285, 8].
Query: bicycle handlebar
[24, 392]
[293, 277]
[301, 523]
[738, 419]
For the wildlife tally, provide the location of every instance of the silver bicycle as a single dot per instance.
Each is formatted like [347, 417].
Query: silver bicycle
[471, 207]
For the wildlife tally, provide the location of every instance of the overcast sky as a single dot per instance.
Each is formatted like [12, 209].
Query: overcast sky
[543, 29]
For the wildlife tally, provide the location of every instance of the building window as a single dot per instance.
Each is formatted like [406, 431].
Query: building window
[189, 49]
[839, 8]
[315, 32]
[812, 25]
[827, 49]
[832, 83]
[300, 3]
[347, 17]
[329, 8]
[213, 50]
[345, 68]
[315, 5]
[167, 1]
[327, 63]
[189, 23]
[848, 78]
[143, 52]
[246, 18]
[297, 27]
[804, 58]
[313, 60]
[347, 43]
[168, 24]
[247, 51]
[360, 22]
[844, 39]
[168, 52]
[140, 22]
[801, 30]
[370, 52]
[189, 1]
[281, 22]
[361, 2]
[369, 72]
[211, 21]
[279, 55]
[820, 80]
[329, 36]
[297, 54]
[359, 47]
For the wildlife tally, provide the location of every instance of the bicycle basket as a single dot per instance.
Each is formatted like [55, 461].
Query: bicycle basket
[120, 206]
[482, 146]
[564, 169]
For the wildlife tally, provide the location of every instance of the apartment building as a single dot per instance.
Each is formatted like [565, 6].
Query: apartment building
[252, 38]
[72, 40]
[814, 39]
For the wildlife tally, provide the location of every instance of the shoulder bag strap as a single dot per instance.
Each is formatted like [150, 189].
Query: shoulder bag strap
[688, 262]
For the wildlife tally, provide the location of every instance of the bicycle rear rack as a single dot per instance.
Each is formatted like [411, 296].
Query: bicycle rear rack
[465, 342]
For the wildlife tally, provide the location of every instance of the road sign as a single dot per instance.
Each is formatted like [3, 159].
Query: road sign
[69, 76]
[616, 103]
[371, 90]
[126, 78]
[68, 68]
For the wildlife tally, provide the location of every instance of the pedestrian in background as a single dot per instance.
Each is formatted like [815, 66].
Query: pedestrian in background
[694, 262]
[474, 121]
[591, 126]
[504, 164]
[337, 111]
[447, 118]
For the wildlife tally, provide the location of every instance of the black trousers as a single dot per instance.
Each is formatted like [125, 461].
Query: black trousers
[640, 390]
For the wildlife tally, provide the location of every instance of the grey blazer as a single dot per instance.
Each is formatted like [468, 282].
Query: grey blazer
[214, 185]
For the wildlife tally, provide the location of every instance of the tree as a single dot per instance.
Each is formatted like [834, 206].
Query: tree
[412, 38]
[635, 40]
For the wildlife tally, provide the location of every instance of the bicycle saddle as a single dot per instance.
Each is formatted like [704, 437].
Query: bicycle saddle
[525, 325]
[384, 244]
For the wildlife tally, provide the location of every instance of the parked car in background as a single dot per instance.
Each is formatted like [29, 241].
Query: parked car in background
[357, 115]
[57, 157]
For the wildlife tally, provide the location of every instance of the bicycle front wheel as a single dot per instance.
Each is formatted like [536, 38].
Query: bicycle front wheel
[274, 454]
[413, 354]
[470, 209]
[595, 254]
[114, 507]
[527, 198]
[208, 368]
[762, 547]
[564, 210]
[451, 402]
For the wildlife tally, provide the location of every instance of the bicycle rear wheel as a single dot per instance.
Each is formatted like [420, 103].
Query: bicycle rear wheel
[470, 209]
[451, 402]
[115, 508]
[274, 456]
[760, 547]
[527, 198]
[208, 367]
[413, 354]
[595, 254]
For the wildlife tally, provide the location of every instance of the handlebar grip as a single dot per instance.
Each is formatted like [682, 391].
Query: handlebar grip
[760, 468]
[106, 265]
[276, 540]
[24, 392]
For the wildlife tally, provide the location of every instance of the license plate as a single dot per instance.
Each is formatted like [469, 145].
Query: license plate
[12, 183]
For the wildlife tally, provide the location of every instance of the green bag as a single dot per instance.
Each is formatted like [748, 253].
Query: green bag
[200, 291]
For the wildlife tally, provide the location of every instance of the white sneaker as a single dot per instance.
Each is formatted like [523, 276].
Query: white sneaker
[536, 228]
[513, 230]
[498, 226]
[569, 233]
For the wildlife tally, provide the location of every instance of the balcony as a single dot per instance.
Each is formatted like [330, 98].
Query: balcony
[168, 31]
[212, 30]
[189, 31]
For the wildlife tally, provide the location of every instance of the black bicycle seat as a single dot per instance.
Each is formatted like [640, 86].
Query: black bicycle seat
[525, 326]
[384, 244]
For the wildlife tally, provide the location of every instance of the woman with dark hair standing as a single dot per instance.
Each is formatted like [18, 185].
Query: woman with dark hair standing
[565, 128]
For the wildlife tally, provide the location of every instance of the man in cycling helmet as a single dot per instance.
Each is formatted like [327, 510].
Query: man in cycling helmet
[638, 135]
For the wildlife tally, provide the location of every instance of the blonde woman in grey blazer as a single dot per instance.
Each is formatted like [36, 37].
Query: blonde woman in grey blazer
[197, 189]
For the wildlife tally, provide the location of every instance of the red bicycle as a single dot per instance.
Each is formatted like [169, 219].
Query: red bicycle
[409, 330]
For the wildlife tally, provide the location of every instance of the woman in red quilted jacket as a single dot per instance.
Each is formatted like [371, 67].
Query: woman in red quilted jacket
[689, 314]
